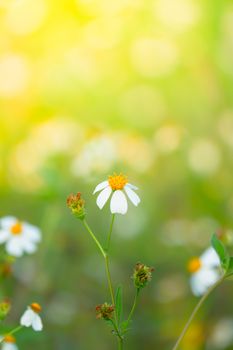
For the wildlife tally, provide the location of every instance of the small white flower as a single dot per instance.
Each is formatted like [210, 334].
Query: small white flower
[119, 186]
[31, 317]
[205, 271]
[8, 343]
[18, 236]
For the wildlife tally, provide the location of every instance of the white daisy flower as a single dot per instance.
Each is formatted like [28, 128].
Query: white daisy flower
[205, 271]
[18, 236]
[8, 343]
[118, 186]
[31, 317]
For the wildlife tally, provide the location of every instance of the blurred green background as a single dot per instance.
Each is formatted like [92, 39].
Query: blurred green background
[89, 87]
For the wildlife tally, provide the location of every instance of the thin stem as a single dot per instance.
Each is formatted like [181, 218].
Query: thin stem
[94, 238]
[134, 305]
[109, 279]
[110, 233]
[193, 314]
[12, 332]
[120, 343]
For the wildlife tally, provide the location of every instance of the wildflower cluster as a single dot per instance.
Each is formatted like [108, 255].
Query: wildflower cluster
[17, 237]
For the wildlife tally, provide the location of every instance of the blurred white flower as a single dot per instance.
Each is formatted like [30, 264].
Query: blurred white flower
[8, 343]
[18, 236]
[118, 184]
[31, 317]
[205, 271]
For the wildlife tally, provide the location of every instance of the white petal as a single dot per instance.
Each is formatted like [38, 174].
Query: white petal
[132, 196]
[202, 280]
[33, 233]
[101, 186]
[7, 222]
[131, 186]
[14, 247]
[4, 236]
[210, 258]
[27, 318]
[9, 346]
[118, 203]
[37, 323]
[28, 247]
[103, 197]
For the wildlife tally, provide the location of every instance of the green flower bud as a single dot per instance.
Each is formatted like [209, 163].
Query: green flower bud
[77, 205]
[142, 275]
[4, 309]
[104, 311]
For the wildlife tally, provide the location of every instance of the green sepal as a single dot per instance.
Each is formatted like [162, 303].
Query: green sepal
[221, 251]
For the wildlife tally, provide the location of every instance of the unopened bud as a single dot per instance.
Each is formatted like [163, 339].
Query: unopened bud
[4, 309]
[142, 275]
[104, 311]
[77, 205]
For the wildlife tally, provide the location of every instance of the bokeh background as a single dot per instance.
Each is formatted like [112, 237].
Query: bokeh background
[91, 87]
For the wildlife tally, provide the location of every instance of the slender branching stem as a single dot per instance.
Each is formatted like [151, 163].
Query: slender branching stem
[94, 238]
[110, 233]
[193, 314]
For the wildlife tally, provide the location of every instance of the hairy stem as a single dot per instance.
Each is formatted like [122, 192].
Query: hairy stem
[193, 314]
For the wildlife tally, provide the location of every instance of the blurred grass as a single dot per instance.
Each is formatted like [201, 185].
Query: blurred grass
[144, 87]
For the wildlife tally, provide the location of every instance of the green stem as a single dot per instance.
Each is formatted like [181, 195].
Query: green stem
[109, 279]
[94, 238]
[12, 332]
[120, 343]
[110, 233]
[193, 314]
[134, 305]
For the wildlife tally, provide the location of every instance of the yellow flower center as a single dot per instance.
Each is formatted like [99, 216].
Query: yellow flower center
[36, 307]
[16, 229]
[194, 265]
[9, 339]
[117, 182]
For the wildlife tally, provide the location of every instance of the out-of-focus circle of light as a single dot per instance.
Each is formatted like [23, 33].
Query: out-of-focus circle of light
[177, 15]
[142, 105]
[225, 49]
[225, 128]
[167, 138]
[204, 157]
[153, 57]
[25, 16]
[222, 335]
[135, 151]
[106, 7]
[14, 75]
[97, 156]
[103, 34]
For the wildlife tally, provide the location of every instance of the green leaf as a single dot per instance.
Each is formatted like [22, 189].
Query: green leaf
[230, 266]
[118, 303]
[221, 251]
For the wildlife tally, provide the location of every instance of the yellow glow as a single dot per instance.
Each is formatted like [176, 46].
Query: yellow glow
[154, 57]
[14, 73]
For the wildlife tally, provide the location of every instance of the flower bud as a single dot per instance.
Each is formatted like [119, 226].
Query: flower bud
[142, 275]
[4, 309]
[104, 311]
[77, 205]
